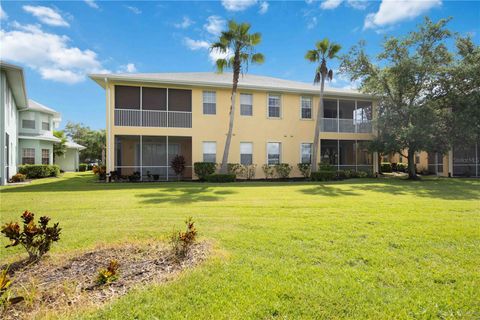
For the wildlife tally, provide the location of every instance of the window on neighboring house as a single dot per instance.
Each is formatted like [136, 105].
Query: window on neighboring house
[28, 156]
[274, 106]
[28, 124]
[246, 104]
[210, 152]
[306, 153]
[306, 108]
[209, 102]
[45, 126]
[45, 156]
[273, 153]
[246, 153]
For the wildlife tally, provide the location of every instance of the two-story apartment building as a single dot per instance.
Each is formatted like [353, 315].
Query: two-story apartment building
[153, 117]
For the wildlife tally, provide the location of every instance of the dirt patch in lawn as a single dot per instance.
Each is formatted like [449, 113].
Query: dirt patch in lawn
[64, 284]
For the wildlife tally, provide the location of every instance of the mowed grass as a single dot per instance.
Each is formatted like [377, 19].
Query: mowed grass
[366, 248]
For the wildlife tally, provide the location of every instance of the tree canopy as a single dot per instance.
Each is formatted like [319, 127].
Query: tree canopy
[92, 140]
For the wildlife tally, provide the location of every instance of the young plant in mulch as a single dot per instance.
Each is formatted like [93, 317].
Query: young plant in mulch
[5, 292]
[108, 275]
[182, 241]
[36, 239]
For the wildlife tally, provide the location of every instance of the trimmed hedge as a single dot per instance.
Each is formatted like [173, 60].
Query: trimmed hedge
[402, 167]
[218, 177]
[386, 167]
[304, 169]
[283, 170]
[203, 169]
[35, 171]
[324, 175]
[82, 167]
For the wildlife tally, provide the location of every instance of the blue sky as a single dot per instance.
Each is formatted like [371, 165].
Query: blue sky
[59, 43]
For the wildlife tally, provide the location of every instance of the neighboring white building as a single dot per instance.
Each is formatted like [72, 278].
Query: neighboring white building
[26, 128]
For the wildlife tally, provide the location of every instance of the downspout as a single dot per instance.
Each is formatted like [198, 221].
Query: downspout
[108, 142]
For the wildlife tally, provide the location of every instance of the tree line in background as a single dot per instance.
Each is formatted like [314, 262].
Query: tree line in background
[93, 140]
[428, 96]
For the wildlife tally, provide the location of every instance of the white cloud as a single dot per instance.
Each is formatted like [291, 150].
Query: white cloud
[216, 54]
[92, 4]
[134, 9]
[391, 12]
[312, 23]
[238, 5]
[215, 25]
[49, 54]
[186, 22]
[330, 4]
[358, 4]
[195, 44]
[3, 14]
[263, 7]
[129, 68]
[309, 1]
[47, 15]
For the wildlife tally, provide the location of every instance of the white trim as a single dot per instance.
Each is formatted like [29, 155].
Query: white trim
[311, 107]
[240, 150]
[311, 149]
[280, 117]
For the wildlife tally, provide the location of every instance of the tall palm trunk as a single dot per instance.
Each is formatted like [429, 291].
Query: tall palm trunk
[228, 141]
[318, 123]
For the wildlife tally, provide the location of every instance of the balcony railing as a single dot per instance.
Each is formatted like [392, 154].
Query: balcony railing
[346, 125]
[153, 118]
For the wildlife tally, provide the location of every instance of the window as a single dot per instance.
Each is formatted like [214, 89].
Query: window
[273, 152]
[246, 153]
[246, 104]
[274, 106]
[306, 150]
[28, 124]
[210, 152]
[209, 102]
[306, 107]
[45, 156]
[28, 156]
[45, 126]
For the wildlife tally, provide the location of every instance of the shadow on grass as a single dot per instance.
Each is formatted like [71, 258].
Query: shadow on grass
[184, 192]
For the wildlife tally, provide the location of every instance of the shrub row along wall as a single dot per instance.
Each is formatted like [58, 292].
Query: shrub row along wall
[35, 171]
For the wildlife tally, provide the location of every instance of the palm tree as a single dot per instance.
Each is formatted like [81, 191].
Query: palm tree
[239, 47]
[323, 50]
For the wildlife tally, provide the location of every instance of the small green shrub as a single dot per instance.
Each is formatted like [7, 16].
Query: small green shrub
[82, 167]
[247, 171]
[401, 167]
[234, 168]
[323, 175]
[35, 171]
[90, 167]
[386, 167]
[19, 177]
[305, 169]
[5, 284]
[219, 177]
[182, 241]
[363, 174]
[343, 174]
[203, 169]
[134, 177]
[268, 171]
[283, 170]
[108, 275]
[325, 167]
[178, 165]
[36, 240]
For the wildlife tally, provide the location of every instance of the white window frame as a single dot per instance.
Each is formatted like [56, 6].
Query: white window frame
[203, 102]
[48, 155]
[203, 150]
[26, 154]
[245, 142]
[301, 151]
[279, 151]
[280, 105]
[251, 105]
[29, 128]
[301, 107]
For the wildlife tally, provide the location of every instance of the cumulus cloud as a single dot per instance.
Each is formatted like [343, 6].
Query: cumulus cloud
[49, 54]
[215, 25]
[330, 4]
[134, 9]
[216, 54]
[213, 55]
[92, 4]
[128, 68]
[263, 7]
[3, 14]
[391, 12]
[184, 24]
[238, 5]
[46, 15]
[195, 44]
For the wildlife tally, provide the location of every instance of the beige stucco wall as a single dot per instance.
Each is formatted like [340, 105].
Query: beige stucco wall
[290, 129]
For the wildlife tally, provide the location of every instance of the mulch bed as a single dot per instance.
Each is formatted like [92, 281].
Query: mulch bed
[64, 284]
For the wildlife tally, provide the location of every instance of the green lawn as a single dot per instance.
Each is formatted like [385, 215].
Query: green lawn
[365, 248]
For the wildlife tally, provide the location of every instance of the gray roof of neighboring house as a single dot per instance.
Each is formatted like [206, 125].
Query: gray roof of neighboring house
[16, 80]
[43, 137]
[247, 81]
[73, 145]
[35, 106]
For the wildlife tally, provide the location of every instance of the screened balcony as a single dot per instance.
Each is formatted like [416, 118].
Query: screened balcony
[346, 155]
[153, 107]
[348, 116]
[150, 156]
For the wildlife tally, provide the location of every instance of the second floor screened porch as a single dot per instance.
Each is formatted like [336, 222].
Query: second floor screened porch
[347, 116]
